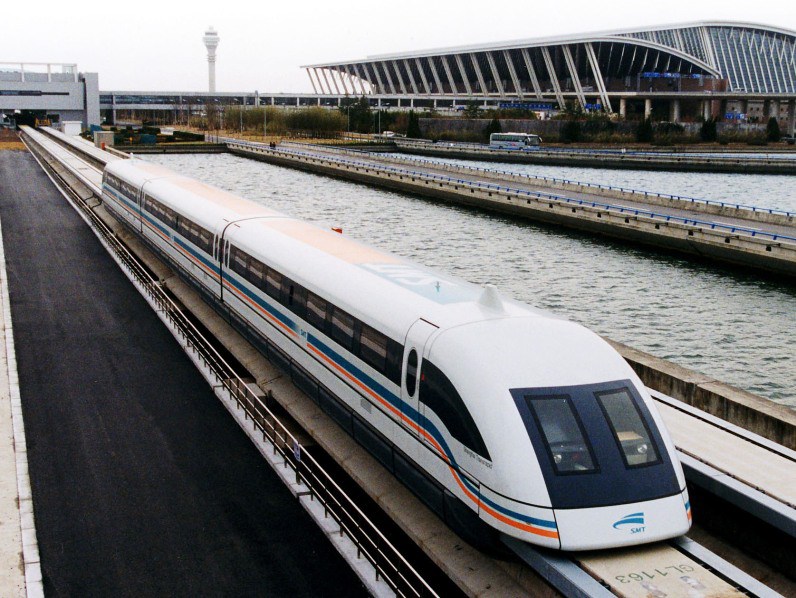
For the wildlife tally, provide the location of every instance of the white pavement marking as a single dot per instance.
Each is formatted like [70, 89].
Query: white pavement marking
[21, 569]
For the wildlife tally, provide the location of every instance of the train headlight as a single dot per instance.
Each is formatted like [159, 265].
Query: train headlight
[641, 449]
[558, 458]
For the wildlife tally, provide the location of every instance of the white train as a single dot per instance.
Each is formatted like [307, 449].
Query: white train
[501, 417]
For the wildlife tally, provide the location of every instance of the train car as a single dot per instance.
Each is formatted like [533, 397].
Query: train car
[501, 417]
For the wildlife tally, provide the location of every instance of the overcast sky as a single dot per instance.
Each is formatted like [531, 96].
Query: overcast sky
[157, 45]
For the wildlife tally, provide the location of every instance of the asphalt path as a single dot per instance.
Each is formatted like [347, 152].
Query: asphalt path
[143, 485]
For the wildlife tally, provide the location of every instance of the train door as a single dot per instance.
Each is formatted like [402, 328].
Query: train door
[414, 351]
[139, 209]
[221, 252]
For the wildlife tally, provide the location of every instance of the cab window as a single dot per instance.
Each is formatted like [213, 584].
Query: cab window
[563, 434]
[438, 394]
[630, 432]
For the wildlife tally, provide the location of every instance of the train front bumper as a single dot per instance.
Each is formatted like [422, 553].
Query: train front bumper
[624, 525]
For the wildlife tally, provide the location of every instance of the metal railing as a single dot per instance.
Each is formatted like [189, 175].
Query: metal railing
[726, 228]
[390, 566]
[560, 181]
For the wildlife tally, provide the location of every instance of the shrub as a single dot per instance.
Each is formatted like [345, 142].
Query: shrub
[772, 130]
[493, 127]
[644, 131]
[707, 132]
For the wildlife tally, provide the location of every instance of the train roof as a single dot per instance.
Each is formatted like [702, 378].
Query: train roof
[161, 181]
[397, 291]
[371, 283]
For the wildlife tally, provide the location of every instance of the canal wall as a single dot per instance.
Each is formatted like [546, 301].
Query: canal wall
[749, 411]
[711, 208]
[701, 241]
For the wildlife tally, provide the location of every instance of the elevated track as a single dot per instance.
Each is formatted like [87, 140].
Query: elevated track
[761, 487]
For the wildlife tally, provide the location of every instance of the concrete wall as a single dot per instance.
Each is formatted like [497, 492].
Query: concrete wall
[91, 99]
[751, 412]
[72, 100]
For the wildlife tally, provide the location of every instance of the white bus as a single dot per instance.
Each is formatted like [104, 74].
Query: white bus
[513, 140]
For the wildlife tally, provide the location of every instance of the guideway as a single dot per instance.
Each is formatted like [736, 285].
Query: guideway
[628, 159]
[141, 482]
[762, 241]
[664, 560]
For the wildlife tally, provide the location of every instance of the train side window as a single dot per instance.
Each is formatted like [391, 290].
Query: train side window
[170, 217]
[316, 311]
[563, 434]
[630, 431]
[204, 240]
[184, 227]
[373, 348]
[411, 373]
[343, 328]
[273, 283]
[238, 262]
[395, 352]
[438, 394]
[255, 273]
[294, 297]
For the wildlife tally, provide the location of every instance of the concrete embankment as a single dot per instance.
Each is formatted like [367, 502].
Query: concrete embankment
[628, 160]
[706, 240]
[708, 208]
[751, 412]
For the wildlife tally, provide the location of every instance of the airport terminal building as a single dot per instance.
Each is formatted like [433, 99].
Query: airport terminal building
[711, 67]
[741, 72]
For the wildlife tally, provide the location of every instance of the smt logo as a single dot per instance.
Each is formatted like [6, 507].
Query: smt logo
[634, 521]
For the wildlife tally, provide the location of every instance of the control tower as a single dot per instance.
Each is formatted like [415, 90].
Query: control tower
[211, 40]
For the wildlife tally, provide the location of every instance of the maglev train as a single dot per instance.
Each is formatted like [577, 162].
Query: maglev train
[499, 416]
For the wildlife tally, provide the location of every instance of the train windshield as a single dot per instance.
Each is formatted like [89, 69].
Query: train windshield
[629, 429]
[596, 444]
[563, 433]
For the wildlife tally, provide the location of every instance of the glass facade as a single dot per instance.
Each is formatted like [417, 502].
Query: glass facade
[749, 58]
[752, 59]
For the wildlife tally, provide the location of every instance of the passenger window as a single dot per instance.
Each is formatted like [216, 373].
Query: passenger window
[255, 272]
[373, 348]
[411, 373]
[343, 328]
[563, 434]
[629, 429]
[316, 311]
[273, 283]
[440, 396]
[238, 261]
[395, 353]
[296, 299]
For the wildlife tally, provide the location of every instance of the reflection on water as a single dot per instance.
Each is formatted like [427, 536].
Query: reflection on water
[732, 326]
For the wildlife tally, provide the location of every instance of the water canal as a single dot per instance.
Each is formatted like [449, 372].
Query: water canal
[734, 326]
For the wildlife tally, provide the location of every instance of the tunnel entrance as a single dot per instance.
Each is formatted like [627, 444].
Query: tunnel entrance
[36, 118]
